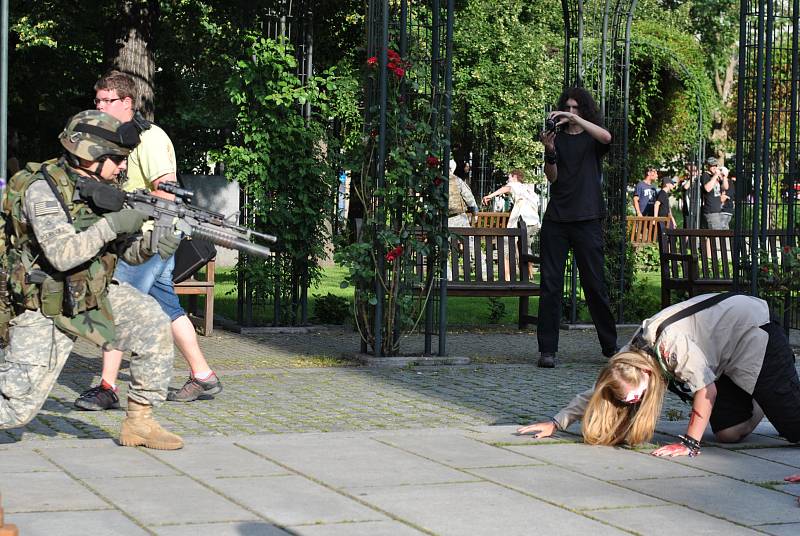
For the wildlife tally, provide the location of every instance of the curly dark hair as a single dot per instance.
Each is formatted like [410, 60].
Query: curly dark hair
[587, 107]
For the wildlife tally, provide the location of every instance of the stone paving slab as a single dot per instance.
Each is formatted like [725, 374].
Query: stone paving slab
[23, 462]
[607, 463]
[455, 450]
[366, 528]
[168, 499]
[294, 500]
[111, 462]
[218, 461]
[786, 529]
[344, 463]
[479, 508]
[244, 528]
[788, 456]
[723, 497]
[565, 488]
[737, 465]
[107, 523]
[669, 520]
[46, 492]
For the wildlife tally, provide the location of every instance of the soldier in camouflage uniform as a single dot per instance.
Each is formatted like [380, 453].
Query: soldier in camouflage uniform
[60, 256]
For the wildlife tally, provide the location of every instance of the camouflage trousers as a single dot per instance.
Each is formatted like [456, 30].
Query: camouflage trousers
[38, 351]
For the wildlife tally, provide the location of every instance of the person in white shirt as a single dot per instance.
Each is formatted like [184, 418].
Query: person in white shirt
[526, 204]
[736, 363]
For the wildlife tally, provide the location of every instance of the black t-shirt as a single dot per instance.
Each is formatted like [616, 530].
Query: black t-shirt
[663, 198]
[577, 193]
[727, 206]
[712, 204]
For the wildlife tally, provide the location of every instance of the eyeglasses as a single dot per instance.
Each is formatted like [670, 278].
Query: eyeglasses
[116, 158]
[105, 101]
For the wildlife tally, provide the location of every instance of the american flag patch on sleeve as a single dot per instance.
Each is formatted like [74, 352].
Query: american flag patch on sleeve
[43, 208]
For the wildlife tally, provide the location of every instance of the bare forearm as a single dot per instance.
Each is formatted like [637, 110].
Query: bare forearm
[595, 131]
[701, 411]
[551, 172]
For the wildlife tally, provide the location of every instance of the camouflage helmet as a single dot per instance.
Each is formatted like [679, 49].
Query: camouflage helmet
[92, 134]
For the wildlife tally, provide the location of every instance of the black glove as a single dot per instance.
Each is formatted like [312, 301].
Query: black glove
[167, 245]
[126, 221]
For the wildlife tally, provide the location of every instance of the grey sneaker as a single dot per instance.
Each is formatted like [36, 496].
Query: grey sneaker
[194, 389]
[547, 360]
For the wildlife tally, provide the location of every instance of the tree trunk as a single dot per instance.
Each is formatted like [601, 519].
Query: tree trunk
[724, 83]
[129, 48]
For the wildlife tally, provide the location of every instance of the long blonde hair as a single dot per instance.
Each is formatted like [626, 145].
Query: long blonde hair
[607, 420]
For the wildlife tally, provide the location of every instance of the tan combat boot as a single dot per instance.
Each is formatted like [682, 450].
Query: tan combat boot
[140, 428]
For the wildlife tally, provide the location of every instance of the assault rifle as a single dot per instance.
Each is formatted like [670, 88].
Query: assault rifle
[179, 214]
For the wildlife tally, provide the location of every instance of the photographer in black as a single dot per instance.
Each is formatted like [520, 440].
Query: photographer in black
[574, 143]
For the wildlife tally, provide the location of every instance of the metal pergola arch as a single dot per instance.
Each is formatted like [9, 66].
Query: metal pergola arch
[767, 145]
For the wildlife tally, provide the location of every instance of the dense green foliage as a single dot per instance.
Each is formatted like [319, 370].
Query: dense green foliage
[275, 153]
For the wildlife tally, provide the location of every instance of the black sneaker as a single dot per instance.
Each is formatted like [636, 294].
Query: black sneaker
[97, 399]
[611, 352]
[194, 389]
[547, 360]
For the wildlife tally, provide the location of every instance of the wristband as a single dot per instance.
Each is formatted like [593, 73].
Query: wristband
[690, 443]
[550, 158]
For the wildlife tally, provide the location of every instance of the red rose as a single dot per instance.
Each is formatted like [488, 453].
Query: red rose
[372, 61]
[399, 71]
[764, 269]
[432, 161]
[787, 249]
[373, 133]
[437, 181]
[392, 54]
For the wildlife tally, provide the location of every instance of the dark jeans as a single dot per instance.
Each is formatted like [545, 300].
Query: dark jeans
[585, 238]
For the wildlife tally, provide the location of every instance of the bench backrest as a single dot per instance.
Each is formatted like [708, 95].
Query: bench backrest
[484, 256]
[492, 220]
[709, 253]
[696, 254]
[643, 230]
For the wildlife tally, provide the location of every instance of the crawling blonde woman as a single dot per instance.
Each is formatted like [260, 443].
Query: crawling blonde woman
[722, 348]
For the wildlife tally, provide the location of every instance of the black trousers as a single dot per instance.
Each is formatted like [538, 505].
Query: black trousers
[585, 238]
[777, 391]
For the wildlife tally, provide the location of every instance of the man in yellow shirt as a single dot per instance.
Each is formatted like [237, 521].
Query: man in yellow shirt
[149, 164]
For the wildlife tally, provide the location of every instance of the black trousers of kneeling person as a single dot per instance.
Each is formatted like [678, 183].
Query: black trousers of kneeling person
[585, 238]
[777, 391]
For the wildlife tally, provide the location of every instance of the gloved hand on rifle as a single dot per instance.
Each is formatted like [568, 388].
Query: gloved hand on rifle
[125, 221]
[167, 244]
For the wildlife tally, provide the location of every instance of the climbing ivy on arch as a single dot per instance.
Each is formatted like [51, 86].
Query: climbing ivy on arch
[669, 90]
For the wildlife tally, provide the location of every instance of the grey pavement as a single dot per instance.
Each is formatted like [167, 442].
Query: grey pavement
[303, 441]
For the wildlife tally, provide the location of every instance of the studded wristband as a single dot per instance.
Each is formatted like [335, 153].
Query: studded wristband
[550, 158]
[690, 443]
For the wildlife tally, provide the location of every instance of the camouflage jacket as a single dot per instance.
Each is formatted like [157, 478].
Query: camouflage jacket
[63, 256]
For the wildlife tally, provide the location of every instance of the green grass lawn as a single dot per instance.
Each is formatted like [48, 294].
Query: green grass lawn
[460, 311]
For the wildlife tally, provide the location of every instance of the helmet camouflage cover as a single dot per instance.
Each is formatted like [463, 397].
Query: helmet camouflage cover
[92, 134]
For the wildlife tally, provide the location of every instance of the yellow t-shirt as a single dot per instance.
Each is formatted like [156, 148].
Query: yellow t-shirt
[152, 158]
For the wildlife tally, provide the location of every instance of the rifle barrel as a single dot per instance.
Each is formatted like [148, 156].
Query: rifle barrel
[226, 240]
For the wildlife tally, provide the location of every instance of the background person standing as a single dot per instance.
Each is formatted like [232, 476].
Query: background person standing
[662, 208]
[573, 220]
[644, 196]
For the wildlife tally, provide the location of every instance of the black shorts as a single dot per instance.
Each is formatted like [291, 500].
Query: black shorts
[777, 391]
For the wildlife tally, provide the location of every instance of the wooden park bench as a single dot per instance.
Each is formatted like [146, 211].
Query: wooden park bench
[488, 263]
[492, 220]
[200, 285]
[643, 230]
[697, 261]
